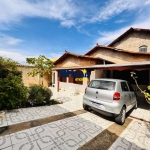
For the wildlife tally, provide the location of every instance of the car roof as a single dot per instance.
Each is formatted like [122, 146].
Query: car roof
[109, 79]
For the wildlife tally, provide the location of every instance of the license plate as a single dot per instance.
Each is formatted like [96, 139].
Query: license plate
[98, 105]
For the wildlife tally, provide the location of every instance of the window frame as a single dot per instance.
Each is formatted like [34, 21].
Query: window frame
[122, 86]
[143, 48]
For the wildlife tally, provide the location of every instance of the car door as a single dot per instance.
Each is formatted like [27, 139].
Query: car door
[133, 94]
[126, 95]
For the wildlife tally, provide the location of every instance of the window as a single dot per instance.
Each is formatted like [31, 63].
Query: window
[63, 79]
[143, 48]
[131, 88]
[124, 87]
[104, 85]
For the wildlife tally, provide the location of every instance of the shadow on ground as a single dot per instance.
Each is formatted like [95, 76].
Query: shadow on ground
[142, 103]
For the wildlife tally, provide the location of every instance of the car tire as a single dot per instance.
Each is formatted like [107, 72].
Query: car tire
[122, 116]
[135, 106]
[85, 107]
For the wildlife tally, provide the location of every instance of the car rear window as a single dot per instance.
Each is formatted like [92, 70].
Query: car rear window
[102, 84]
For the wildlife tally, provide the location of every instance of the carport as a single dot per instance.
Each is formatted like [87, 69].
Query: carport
[121, 71]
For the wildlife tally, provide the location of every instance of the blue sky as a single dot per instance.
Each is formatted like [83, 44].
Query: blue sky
[29, 28]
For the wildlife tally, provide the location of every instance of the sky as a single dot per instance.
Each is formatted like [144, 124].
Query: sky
[29, 28]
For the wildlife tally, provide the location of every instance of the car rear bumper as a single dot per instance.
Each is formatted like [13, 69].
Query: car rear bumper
[102, 111]
[106, 108]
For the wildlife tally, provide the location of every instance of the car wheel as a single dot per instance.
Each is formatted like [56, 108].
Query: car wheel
[85, 107]
[122, 116]
[135, 106]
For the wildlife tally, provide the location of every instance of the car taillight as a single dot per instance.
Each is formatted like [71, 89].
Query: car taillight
[85, 90]
[116, 96]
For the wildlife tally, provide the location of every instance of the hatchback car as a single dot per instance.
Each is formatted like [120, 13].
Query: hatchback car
[111, 97]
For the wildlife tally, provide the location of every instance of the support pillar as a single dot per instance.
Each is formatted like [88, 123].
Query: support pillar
[58, 80]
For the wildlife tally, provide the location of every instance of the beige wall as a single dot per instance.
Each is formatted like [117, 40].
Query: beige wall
[133, 41]
[28, 80]
[71, 61]
[119, 57]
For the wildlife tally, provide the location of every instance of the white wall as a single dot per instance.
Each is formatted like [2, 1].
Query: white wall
[78, 87]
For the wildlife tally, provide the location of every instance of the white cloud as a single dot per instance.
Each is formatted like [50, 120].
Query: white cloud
[16, 56]
[120, 21]
[13, 11]
[68, 23]
[6, 41]
[20, 55]
[115, 7]
[55, 55]
[68, 12]
[107, 37]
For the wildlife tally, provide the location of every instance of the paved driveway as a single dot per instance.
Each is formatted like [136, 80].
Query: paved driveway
[67, 127]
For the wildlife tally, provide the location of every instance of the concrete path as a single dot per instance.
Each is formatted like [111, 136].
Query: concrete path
[77, 132]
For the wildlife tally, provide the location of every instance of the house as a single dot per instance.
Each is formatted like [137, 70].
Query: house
[129, 52]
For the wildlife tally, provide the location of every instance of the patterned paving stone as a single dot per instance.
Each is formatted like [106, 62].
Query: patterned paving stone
[21, 136]
[26, 145]
[45, 140]
[8, 148]
[5, 141]
[3, 122]
[135, 137]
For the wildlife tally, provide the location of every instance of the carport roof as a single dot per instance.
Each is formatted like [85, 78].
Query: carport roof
[127, 66]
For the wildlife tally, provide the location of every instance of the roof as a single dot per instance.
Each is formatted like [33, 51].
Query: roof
[115, 49]
[127, 32]
[76, 55]
[127, 66]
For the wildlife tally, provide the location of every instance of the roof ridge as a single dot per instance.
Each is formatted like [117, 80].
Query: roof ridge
[116, 49]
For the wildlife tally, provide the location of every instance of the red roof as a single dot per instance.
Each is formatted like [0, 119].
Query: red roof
[73, 54]
[114, 49]
[127, 32]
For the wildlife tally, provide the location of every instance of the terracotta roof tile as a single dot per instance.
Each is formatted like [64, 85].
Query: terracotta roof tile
[73, 54]
[115, 49]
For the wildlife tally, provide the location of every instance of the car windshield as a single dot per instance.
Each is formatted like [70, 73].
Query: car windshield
[102, 84]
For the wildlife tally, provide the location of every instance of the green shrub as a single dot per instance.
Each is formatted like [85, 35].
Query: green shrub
[39, 95]
[13, 93]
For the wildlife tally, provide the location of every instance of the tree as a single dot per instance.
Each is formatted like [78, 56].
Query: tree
[12, 90]
[145, 92]
[41, 65]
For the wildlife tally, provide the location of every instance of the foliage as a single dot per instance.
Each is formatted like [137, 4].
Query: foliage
[53, 102]
[145, 92]
[13, 93]
[42, 65]
[39, 95]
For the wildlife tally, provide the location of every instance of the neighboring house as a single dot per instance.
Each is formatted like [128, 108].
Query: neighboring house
[129, 52]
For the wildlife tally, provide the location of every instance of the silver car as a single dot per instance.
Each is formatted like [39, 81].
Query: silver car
[111, 97]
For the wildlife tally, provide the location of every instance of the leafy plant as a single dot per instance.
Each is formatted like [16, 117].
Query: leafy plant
[145, 92]
[13, 93]
[42, 65]
[39, 95]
